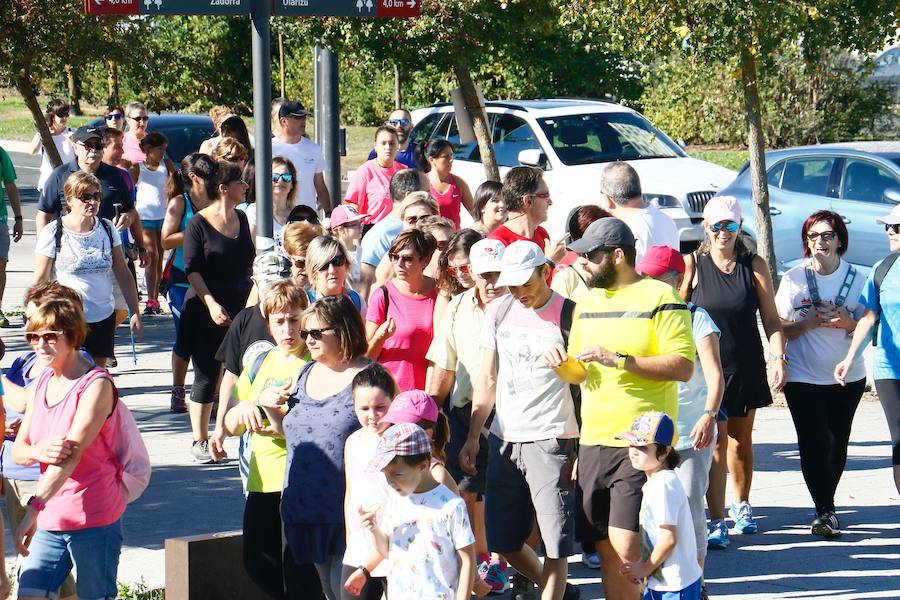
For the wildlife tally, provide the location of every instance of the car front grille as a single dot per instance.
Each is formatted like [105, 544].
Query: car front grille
[697, 200]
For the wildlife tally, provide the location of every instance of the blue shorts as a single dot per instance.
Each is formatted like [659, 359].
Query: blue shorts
[94, 552]
[691, 592]
[176, 302]
[155, 224]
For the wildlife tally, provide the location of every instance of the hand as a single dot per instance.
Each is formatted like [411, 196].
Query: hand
[123, 221]
[841, 318]
[12, 428]
[467, 456]
[18, 231]
[814, 318]
[555, 356]
[248, 415]
[703, 431]
[386, 329]
[143, 259]
[53, 451]
[479, 587]
[779, 374]
[368, 518]
[841, 369]
[557, 250]
[25, 531]
[636, 572]
[275, 396]
[218, 314]
[598, 354]
[137, 327]
[217, 445]
[355, 582]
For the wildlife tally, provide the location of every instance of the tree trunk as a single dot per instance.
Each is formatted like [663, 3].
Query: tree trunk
[479, 119]
[398, 90]
[23, 84]
[74, 85]
[281, 63]
[756, 144]
[112, 83]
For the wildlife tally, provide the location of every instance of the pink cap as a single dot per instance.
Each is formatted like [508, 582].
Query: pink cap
[344, 214]
[412, 407]
[722, 208]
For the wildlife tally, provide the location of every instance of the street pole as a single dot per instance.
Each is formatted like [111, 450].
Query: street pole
[261, 47]
[317, 92]
[331, 143]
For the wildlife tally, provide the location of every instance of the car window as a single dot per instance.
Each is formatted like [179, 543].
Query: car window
[866, 181]
[460, 151]
[606, 137]
[510, 136]
[184, 139]
[427, 128]
[774, 176]
[807, 175]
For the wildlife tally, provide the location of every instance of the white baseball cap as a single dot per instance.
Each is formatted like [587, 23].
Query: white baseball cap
[892, 218]
[485, 255]
[519, 261]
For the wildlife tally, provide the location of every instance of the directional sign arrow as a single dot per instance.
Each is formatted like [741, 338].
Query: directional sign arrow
[411, 3]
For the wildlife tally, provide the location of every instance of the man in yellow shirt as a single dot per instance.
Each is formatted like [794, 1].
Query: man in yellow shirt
[630, 342]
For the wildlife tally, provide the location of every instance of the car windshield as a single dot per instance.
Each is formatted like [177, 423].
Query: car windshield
[183, 139]
[606, 137]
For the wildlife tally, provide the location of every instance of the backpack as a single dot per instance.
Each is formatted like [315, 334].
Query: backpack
[59, 233]
[130, 451]
[880, 273]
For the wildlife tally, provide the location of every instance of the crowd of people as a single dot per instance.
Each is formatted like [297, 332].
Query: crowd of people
[434, 395]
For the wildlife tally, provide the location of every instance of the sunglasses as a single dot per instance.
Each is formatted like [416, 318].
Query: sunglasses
[894, 228]
[89, 198]
[315, 334]
[405, 122]
[729, 226]
[593, 253]
[140, 119]
[285, 177]
[240, 181]
[398, 258]
[95, 146]
[337, 261]
[826, 236]
[114, 116]
[49, 337]
[460, 270]
[413, 219]
[299, 263]
[443, 244]
[63, 114]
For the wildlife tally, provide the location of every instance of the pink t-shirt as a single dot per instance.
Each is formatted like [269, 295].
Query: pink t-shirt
[133, 152]
[370, 190]
[403, 354]
[450, 202]
[92, 495]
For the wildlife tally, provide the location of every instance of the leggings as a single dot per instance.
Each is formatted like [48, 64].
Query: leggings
[823, 416]
[206, 376]
[889, 394]
[262, 542]
[373, 590]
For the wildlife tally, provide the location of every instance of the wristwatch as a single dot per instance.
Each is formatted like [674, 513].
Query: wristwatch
[781, 357]
[711, 413]
[621, 357]
[365, 571]
[36, 504]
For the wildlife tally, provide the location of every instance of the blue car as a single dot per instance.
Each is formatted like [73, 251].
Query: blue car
[858, 180]
[184, 132]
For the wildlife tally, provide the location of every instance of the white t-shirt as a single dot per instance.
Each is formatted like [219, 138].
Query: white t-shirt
[277, 228]
[692, 393]
[425, 532]
[365, 489]
[66, 154]
[84, 264]
[533, 403]
[651, 227]
[812, 356]
[308, 160]
[150, 198]
[665, 503]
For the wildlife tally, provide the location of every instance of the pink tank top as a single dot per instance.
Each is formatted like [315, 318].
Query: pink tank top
[450, 202]
[133, 150]
[92, 495]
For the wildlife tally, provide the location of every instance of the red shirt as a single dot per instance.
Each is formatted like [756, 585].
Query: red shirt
[507, 236]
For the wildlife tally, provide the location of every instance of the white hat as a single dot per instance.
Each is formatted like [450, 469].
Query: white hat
[893, 218]
[485, 256]
[722, 208]
[519, 261]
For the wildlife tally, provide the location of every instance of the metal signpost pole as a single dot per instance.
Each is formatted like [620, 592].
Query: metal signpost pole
[331, 108]
[261, 48]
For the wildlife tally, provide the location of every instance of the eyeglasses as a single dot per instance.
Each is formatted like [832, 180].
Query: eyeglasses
[140, 119]
[285, 177]
[460, 270]
[894, 228]
[413, 219]
[401, 258]
[114, 116]
[826, 236]
[490, 276]
[336, 262]
[89, 198]
[729, 226]
[63, 114]
[315, 334]
[49, 337]
[404, 122]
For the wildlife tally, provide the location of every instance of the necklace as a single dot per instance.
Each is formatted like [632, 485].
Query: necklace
[725, 267]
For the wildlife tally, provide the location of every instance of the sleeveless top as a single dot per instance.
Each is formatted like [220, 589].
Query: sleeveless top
[450, 202]
[92, 495]
[178, 261]
[150, 197]
[66, 155]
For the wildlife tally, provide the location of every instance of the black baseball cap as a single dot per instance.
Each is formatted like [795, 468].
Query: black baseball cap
[292, 109]
[301, 212]
[607, 232]
[85, 133]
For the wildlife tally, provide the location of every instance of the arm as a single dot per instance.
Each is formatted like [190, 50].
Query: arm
[708, 355]
[36, 145]
[466, 557]
[41, 219]
[861, 336]
[14, 396]
[439, 383]
[127, 285]
[440, 305]
[170, 236]
[687, 282]
[366, 278]
[12, 192]
[467, 200]
[42, 267]
[226, 393]
[442, 475]
[217, 312]
[323, 196]
[483, 398]
[765, 295]
[666, 367]
[666, 540]
[377, 334]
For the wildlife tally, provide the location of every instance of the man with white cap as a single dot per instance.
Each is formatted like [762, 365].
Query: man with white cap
[631, 341]
[292, 143]
[455, 364]
[534, 432]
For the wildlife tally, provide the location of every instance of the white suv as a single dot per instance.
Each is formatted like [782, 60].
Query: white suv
[572, 140]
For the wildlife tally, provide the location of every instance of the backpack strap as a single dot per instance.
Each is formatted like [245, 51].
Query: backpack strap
[880, 273]
[580, 276]
[256, 365]
[387, 300]
[59, 232]
[565, 320]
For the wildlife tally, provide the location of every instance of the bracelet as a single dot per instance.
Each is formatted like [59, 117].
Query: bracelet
[711, 413]
[365, 571]
[18, 217]
[36, 504]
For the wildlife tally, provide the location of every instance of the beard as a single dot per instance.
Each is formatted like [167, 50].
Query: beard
[402, 136]
[604, 277]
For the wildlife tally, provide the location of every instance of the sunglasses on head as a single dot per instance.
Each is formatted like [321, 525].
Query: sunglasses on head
[88, 198]
[826, 236]
[460, 270]
[285, 177]
[114, 116]
[404, 122]
[50, 337]
[63, 114]
[729, 226]
[895, 228]
[315, 334]
[337, 261]
[140, 119]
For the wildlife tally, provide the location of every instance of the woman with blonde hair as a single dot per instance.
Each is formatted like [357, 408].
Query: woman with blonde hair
[231, 150]
[327, 265]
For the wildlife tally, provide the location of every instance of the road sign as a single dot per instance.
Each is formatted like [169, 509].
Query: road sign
[167, 7]
[348, 8]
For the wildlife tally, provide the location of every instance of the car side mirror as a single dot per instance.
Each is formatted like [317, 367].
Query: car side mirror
[533, 157]
[892, 195]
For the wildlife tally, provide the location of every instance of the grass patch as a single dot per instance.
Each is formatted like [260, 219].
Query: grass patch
[728, 158]
[140, 591]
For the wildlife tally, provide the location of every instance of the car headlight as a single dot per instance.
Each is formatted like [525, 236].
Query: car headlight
[661, 201]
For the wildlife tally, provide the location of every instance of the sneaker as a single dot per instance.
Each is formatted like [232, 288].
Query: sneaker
[717, 535]
[4, 322]
[523, 588]
[152, 308]
[703, 594]
[200, 452]
[826, 525]
[176, 401]
[591, 560]
[572, 592]
[495, 575]
[742, 515]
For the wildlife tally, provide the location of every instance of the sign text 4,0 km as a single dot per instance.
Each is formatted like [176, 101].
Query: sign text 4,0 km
[288, 8]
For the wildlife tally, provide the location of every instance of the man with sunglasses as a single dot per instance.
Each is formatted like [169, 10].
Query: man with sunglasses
[631, 341]
[292, 143]
[116, 203]
[401, 120]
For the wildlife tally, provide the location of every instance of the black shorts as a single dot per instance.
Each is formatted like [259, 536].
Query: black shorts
[610, 492]
[459, 418]
[101, 337]
[746, 390]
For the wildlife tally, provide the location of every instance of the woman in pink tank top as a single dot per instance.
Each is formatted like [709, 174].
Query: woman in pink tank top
[451, 193]
[69, 429]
